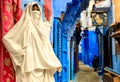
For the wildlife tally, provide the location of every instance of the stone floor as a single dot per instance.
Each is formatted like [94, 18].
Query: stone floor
[87, 74]
[87, 77]
[100, 77]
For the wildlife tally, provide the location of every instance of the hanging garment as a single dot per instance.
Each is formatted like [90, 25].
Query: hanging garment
[10, 12]
[47, 9]
[30, 48]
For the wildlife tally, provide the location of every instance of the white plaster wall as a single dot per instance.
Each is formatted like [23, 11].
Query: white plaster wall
[88, 19]
[86, 16]
[91, 3]
[83, 19]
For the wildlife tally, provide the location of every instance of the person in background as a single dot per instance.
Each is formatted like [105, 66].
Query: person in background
[95, 63]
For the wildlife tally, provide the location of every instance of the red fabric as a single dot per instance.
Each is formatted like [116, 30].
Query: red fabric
[10, 13]
[48, 9]
[1, 46]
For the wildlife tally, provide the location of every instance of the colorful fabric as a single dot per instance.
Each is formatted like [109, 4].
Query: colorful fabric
[48, 9]
[10, 12]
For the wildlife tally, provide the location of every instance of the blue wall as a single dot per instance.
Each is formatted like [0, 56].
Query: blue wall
[61, 50]
[89, 47]
[93, 45]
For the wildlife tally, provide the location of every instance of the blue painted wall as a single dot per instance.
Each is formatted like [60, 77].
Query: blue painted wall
[64, 59]
[61, 50]
[89, 44]
[93, 46]
[55, 44]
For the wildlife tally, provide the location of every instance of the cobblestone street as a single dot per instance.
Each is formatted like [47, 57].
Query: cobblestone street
[87, 74]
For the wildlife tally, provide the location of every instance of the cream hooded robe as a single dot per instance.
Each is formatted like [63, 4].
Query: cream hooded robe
[30, 48]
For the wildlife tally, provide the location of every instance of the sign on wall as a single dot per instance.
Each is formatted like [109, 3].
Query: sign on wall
[99, 18]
